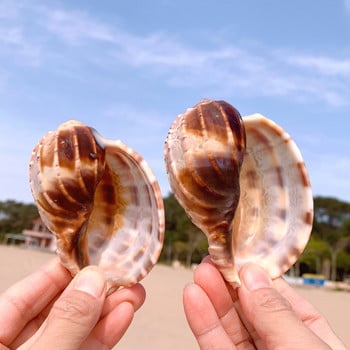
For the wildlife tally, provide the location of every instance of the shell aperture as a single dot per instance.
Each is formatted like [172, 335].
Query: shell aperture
[244, 183]
[101, 200]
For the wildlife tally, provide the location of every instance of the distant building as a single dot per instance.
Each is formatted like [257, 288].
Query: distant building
[40, 236]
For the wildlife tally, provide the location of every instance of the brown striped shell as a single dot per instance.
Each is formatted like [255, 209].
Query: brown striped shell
[243, 182]
[101, 201]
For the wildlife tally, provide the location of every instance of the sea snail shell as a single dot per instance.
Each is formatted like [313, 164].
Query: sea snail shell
[101, 201]
[243, 182]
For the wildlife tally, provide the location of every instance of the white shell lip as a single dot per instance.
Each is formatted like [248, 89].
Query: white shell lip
[273, 219]
[282, 232]
[101, 200]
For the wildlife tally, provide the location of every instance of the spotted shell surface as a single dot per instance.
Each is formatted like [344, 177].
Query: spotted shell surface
[244, 183]
[101, 200]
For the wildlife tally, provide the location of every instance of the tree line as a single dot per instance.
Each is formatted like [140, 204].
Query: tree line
[327, 253]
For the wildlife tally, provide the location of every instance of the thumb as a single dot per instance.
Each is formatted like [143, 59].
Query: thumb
[271, 315]
[75, 313]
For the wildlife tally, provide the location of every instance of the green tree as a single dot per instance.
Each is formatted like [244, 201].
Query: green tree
[182, 238]
[337, 248]
[176, 222]
[315, 253]
[331, 210]
[343, 263]
[16, 216]
[330, 235]
[330, 213]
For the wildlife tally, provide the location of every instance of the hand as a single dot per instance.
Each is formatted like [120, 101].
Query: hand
[49, 310]
[261, 314]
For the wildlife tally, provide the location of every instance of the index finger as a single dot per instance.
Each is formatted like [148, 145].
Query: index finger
[204, 321]
[27, 298]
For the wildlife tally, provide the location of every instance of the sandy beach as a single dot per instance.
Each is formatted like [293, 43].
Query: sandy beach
[161, 324]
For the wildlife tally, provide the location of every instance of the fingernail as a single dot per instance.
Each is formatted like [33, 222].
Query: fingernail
[254, 277]
[91, 281]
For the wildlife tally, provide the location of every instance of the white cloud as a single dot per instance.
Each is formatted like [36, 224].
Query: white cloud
[327, 76]
[347, 5]
[228, 67]
[20, 49]
[324, 65]
[224, 67]
[160, 49]
[9, 9]
[75, 26]
[65, 42]
[14, 39]
[11, 36]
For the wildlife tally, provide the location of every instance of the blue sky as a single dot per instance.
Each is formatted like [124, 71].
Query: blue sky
[128, 68]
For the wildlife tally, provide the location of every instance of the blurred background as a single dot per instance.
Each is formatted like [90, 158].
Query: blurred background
[129, 68]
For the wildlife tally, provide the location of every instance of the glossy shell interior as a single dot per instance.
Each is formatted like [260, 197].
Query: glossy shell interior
[101, 201]
[243, 182]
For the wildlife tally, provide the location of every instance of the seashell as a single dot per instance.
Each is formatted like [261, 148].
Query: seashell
[101, 201]
[244, 183]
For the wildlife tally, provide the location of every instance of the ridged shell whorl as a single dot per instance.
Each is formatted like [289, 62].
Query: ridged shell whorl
[243, 182]
[101, 201]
